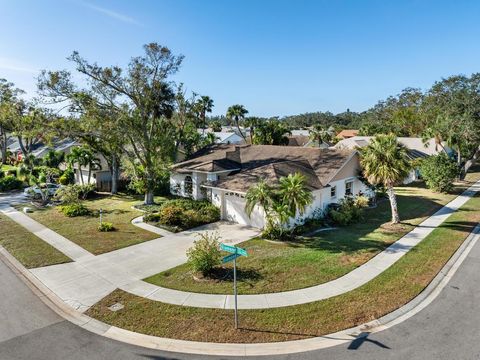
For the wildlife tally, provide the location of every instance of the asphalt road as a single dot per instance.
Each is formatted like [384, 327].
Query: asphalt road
[448, 329]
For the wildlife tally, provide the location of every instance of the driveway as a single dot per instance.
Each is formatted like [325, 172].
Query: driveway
[90, 278]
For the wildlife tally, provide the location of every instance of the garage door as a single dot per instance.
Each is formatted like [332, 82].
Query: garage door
[235, 211]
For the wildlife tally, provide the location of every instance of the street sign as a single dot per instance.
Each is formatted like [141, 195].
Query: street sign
[236, 253]
[229, 258]
[233, 249]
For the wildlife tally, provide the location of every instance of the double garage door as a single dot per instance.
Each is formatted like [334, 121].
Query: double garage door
[234, 210]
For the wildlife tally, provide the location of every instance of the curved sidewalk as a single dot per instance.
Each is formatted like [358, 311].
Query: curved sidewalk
[346, 283]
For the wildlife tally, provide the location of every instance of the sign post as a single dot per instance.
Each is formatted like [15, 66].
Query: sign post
[235, 253]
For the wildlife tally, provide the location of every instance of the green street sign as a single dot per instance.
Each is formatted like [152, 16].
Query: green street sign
[233, 249]
[229, 258]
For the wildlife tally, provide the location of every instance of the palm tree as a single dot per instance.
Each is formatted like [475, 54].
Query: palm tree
[294, 194]
[252, 122]
[205, 105]
[385, 161]
[237, 113]
[320, 134]
[262, 195]
[84, 157]
[271, 132]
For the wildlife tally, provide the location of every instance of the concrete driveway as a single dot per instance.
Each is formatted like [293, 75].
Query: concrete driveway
[88, 279]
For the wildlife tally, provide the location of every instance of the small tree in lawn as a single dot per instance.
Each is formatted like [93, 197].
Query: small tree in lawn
[385, 162]
[205, 254]
[439, 172]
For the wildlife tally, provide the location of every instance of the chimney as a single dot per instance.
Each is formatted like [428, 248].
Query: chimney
[234, 155]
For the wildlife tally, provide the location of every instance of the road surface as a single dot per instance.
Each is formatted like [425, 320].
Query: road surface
[447, 329]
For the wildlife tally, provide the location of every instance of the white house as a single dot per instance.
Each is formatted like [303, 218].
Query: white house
[224, 137]
[224, 173]
[417, 149]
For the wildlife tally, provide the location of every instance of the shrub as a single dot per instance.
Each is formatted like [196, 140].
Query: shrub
[347, 211]
[184, 213]
[439, 172]
[67, 195]
[205, 254]
[105, 227]
[276, 232]
[73, 210]
[68, 177]
[361, 201]
[11, 172]
[85, 191]
[151, 217]
[9, 182]
[171, 215]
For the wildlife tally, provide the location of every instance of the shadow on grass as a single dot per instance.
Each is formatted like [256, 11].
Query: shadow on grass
[225, 274]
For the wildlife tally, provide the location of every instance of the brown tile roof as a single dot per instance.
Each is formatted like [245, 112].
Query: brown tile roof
[347, 133]
[268, 162]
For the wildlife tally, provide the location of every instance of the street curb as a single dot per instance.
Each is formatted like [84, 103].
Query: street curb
[193, 347]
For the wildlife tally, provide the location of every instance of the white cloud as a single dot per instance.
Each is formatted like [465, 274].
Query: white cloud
[113, 14]
[15, 65]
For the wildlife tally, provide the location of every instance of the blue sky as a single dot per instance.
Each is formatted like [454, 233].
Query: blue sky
[275, 57]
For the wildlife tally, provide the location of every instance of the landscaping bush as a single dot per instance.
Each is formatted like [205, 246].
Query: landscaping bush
[68, 177]
[105, 227]
[182, 214]
[11, 172]
[347, 211]
[205, 254]
[171, 215]
[151, 217]
[439, 172]
[85, 191]
[74, 210]
[362, 201]
[9, 182]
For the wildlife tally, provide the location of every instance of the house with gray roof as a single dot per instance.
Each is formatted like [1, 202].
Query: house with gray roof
[224, 173]
[417, 148]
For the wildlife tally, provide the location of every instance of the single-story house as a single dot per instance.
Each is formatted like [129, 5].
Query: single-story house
[417, 149]
[224, 173]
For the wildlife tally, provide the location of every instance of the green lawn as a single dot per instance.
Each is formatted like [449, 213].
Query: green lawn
[390, 290]
[83, 230]
[30, 250]
[274, 267]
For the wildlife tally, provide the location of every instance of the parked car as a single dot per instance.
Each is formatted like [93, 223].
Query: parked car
[36, 191]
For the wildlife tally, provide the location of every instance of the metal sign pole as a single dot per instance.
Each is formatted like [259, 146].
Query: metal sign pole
[235, 290]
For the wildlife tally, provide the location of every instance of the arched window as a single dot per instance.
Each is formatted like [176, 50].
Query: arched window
[188, 185]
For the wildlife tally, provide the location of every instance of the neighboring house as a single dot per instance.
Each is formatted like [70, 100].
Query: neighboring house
[346, 134]
[224, 173]
[224, 137]
[417, 149]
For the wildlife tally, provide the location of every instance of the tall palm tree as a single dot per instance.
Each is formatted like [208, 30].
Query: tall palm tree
[262, 195]
[294, 193]
[205, 105]
[320, 134]
[385, 161]
[252, 122]
[271, 132]
[237, 112]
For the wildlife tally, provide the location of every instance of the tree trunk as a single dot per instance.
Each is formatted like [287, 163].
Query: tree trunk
[393, 204]
[4, 145]
[148, 197]
[80, 173]
[89, 174]
[115, 174]
[459, 157]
